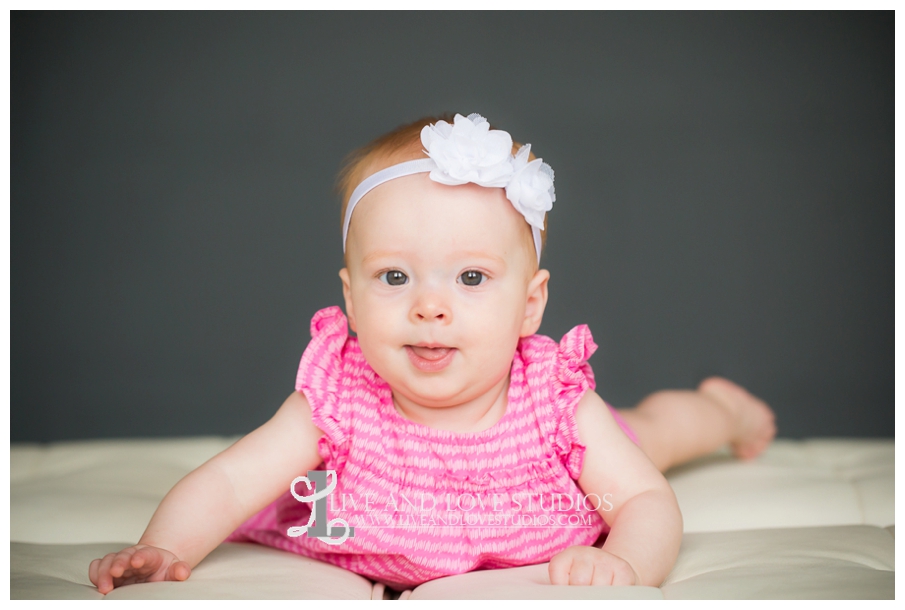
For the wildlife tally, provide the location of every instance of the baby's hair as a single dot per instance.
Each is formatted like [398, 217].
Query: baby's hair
[397, 146]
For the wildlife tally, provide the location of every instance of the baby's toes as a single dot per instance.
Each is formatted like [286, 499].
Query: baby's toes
[758, 441]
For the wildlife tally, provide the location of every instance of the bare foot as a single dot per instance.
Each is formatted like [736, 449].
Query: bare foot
[755, 422]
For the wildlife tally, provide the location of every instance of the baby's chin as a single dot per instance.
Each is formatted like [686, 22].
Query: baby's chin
[432, 395]
[443, 394]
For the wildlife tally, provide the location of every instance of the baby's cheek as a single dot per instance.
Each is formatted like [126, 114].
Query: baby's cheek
[497, 348]
[371, 352]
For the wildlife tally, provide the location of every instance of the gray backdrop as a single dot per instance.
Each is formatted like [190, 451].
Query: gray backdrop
[725, 189]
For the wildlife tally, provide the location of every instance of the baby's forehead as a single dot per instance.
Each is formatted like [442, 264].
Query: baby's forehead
[425, 213]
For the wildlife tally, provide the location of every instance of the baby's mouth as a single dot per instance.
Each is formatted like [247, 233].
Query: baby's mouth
[430, 353]
[430, 359]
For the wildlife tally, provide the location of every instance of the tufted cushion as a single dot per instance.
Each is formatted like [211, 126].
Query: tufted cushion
[804, 520]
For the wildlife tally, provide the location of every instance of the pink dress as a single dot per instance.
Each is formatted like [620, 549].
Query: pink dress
[426, 503]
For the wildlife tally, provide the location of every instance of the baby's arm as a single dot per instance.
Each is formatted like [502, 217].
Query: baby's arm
[210, 502]
[645, 522]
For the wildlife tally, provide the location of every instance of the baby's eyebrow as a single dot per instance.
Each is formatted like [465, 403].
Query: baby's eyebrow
[476, 254]
[378, 254]
[459, 254]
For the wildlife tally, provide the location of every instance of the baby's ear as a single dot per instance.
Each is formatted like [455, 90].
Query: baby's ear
[536, 303]
[347, 295]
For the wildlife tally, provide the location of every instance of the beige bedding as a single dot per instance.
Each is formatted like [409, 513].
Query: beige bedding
[808, 519]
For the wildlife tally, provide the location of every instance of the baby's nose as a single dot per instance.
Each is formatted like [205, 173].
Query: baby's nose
[431, 305]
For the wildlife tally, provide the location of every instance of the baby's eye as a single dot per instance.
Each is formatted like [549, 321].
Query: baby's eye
[472, 278]
[394, 278]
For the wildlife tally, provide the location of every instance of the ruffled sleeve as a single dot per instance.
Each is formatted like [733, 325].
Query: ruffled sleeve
[572, 377]
[320, 379]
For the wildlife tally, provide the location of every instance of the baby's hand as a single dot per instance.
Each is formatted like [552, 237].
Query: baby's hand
[588, 565]
[139, 563]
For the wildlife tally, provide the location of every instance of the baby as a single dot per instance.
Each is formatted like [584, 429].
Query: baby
[453, 437]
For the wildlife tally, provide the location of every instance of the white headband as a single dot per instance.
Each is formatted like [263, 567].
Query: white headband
[469, 151]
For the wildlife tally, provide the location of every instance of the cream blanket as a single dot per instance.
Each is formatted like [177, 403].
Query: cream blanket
[807, 519]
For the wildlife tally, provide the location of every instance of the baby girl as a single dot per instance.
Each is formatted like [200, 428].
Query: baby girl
[453, 437]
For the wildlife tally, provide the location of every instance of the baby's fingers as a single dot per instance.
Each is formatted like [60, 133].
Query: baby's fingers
[92, 571]
[179, 570]
[559, 569]
[125, 567]
[146, 560]
[580, 565]
[623, 575]
[613, 571]
[569, 568]
[122, 563]
[104, 580]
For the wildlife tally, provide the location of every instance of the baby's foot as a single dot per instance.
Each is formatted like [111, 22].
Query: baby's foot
[755, 422]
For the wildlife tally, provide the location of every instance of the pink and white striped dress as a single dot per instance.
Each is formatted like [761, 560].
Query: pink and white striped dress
[428, 503]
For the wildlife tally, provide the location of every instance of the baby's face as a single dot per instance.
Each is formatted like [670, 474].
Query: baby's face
[440, 285]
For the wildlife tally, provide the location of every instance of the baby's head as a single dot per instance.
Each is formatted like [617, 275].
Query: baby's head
[442, 253]
[405, 144]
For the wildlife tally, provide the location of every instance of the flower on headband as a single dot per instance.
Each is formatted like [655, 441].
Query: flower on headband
[531, 187]
[468, 151]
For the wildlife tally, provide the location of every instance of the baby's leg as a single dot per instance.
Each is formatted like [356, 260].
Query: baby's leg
[675, 426]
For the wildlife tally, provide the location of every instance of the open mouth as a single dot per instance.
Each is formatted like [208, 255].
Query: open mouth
[430, 359]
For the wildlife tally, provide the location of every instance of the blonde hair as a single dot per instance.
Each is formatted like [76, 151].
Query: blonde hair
[397, 146]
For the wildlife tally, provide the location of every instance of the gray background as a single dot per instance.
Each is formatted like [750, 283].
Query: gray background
[725, 190]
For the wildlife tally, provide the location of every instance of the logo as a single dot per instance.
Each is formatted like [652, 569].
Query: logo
[370, 511]
[334, 532]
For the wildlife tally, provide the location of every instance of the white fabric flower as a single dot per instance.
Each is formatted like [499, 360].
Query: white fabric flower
[468, 151]
[531, 187]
